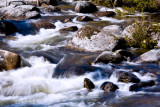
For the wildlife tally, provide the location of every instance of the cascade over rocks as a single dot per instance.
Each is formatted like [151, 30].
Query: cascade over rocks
[7, 28]
[92, 39]
[85, 7]
[20, 12]
[10, 60]
[109, 87]
[127, 77]
[88, 84]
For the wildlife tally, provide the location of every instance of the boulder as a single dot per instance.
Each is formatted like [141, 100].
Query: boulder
[7, 28]
[92, 39]
[69, 29]
[67, 20]
[109, 87]
[135, 87]
[152, 56]
[85, 7]
[22, 12]
[106, 13]
[84, 18]
[50, 8]
[42, 24]
[88, 84]
[127, 77]
[10, 60]
[109, 57]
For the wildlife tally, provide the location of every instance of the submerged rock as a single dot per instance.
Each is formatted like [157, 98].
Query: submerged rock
[85, 7]
[88, 84]
[109, 87]
[20, 12]
[69, 29]
[10, 60]
[92, 39]
[127, 77]
[84, 18]
[7, 28]
[152, 56]
[134, 87]
[106, 13]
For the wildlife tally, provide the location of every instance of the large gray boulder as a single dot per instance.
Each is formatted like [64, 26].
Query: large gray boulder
[10, 60]
[85, 7]
[20, 12]
[7, 28]
[92, 39]
[152, 56]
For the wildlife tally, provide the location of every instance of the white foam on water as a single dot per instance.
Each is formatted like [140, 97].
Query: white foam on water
[113, 20]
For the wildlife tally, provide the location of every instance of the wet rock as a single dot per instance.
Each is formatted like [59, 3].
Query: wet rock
[109, 57]
[7, 28]
[85, 7]
[92, 39]
[149, 83]
[127, 77]
[152, 56]
[84, 18]
[50, 9]
[21, 12]
[109, 87]
[42, 24]
[106, 13]
[10, 60]
[69, 29]
[67, 20]
[88, 84]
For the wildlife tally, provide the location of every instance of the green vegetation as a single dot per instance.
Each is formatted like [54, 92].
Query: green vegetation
[142, 35]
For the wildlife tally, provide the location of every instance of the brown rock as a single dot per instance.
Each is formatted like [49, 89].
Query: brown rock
[84, 18]
[109, 87]
[69, 29]
[106, 13]
[88, 84]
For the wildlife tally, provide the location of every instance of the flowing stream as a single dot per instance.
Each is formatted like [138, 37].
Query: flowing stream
[35, 86]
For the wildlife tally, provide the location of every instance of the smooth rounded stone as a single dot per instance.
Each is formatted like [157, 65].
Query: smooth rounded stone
[10, 60]
[109, 87]
[7, 28]
[3, 10]
[22, 12]
[127, 77]
[84, 18]
[109, 57]
[90, 38]
[152, 56]
[69, 29]
[67, 20]
[85, 7]
[88, 84]
[135, 87]
[38, 24]
[50, 9]
[106, 13]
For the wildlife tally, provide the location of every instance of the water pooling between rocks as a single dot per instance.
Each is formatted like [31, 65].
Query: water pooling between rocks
[56, 75]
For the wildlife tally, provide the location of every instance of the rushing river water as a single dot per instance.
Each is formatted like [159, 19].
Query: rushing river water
[35, 86]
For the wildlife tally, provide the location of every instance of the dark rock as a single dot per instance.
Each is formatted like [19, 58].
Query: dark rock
[10, 60]
[53, 2]
[7, 28]
[42, 24]
[106, 13]
[109, 57]
[88, 84]
[92, 39]
[127, 77]
[135, 87]
[84, 18]
[69, 29]
[109, 87]
[85, 7]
